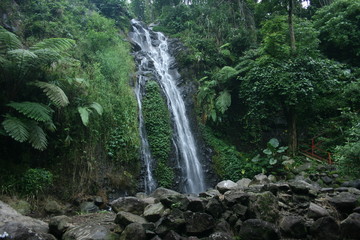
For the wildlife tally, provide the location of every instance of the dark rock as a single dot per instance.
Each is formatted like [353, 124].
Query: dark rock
[154, 212]
[264, 206]
[174, 221]
[345, 202]
[354, 184]
[327, 180]
[293, 227]
[357, 210]
[326, 190]
[198, 224]
[316, 211]
[325, 228]
[89, 232]
[350, 227]
[260, 179]
[220, 236]
[156, 238]
[223, 226]
[175, 201]
[163, 191]
[210, 193]
[214, 208]
[98, 201]
[88, 207]
[256, 229]
[133, 231]
[128, 204]
[243, 183]
[195, 204]
[18, 231]
[58, 225]
[240, 211]
[225, 186]
[236, 196]
[126, 218]
[171, 235]
[301, 187]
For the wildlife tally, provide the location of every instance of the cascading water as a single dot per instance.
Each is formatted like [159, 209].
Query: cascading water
[157, 60]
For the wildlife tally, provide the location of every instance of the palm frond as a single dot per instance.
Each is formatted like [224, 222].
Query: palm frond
[8, 41]
[16, 128]
[97, 107]
[54, 93]
[84, 114]
[37, 111]
[37, 137]
[56, 44]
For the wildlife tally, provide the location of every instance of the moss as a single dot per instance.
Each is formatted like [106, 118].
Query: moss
[157, 124]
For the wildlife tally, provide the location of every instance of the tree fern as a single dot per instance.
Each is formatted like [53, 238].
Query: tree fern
[16, 128]
[56, 44]
[37, 111]
[37, 137]
[54, 93]
[8, 41]
[223, 101]
[46, 56]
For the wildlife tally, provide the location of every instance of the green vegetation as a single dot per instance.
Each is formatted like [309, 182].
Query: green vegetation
[158, 129]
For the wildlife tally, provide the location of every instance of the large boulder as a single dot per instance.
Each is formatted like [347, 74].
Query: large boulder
[325, 228]
[225, 186]
[214, 207]
[350, 227]
[133, 231]
[173, 221]
[88, 207]
[195, 204]
[293, 227]
[264, 206]
[243, 183]
[21, 206]
[198, 224]
[236, 196]
[58, 225]
[163, 191]
[18, 231]
[315, 211]
[126, 218]
[256, 229]
[89, 232]
[260, 179]
[129, 204]
[345, 202]
[154, 212]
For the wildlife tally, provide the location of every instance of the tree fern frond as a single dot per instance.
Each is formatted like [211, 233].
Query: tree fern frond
[8, 41]
[223, 101]
[37, 137]
[20, 54]
[84, 114]
[97, 107]
[37, 111]
[16, 128]
[47, 56]
[56, 44]
[54, 93]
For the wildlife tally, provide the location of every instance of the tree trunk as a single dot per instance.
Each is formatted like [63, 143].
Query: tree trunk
[291, 27]
[292, 128]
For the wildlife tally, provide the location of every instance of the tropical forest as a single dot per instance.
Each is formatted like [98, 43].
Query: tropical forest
[179, 119]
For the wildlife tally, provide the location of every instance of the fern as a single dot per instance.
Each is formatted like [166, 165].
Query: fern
[21, 54]
[8, 41]
[37, 137]
[54, 93]
[223, 101]
[56, 44]
[46, 56]
[38, 112]
[97, 107]
[84, 114]
[16, 128]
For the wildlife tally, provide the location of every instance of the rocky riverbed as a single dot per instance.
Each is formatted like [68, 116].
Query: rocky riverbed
[249, 209]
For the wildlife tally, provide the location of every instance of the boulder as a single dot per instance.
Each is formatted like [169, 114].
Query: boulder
[350, 227]
[171, 235]
[133, 231]
[58, 225]
[256, 229]
[302, 187]
[264, 206]
[129, 204]
[195, 204]
[214, 207]
[126, 218]
[345, 202]
[174, 221]
[225, 186]
[163, 191]
[210, 193]
[53, 207]
[260, 179]
[21, 206]
[293, 227]
[154, 212]
[325, 228]
[353, 184]
[198, 224]
[316, 211]
[89, 232]
[236, 196]
[175, 201]
[220, 236]
[18, 231]
[243, 183]
[88, 207]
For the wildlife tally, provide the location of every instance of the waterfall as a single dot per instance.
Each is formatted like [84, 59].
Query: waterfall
[153, 56]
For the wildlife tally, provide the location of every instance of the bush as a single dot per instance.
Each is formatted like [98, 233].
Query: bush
[35, 181]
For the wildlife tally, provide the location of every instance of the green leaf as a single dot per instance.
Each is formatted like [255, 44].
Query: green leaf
[97, 107]
[274, 142]
[272, 161]
[8, 41]
[267, 151]
[16, 128]
[256, 158]
[37, 137]
[223, 102]
[56, 44]
[54, 93]
[282, 149]
[37, 111]
[84, 114]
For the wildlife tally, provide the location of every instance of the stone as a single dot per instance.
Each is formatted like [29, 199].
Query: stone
[220, 236]
[154, 212]
[171, 235]
[198, 224]
[264, 206]
[272, 178]
[9, 215]
[89, 232]
[243, 183]
[175, 201]
[128, 204]
[353, 184]
[316, 211]
[195, 204]
[210, 193]
[301, 187]
[214, 208]
[126, 218]
[350, 227]
[58, 225]
[98, 201]
[88, 207]
[293, 227]
[53, 207]
[223, 226]
[174, 221]
[163, 191]
[327, 180]
[344, 202]
[21, 206]
[256, 229]
[225, 186]
[240, 211]
[18, 231]
[133, 231]
[236, 196]
[325, 228]
[260, 179]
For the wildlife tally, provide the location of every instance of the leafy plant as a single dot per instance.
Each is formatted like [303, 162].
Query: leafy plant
[36, 181]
